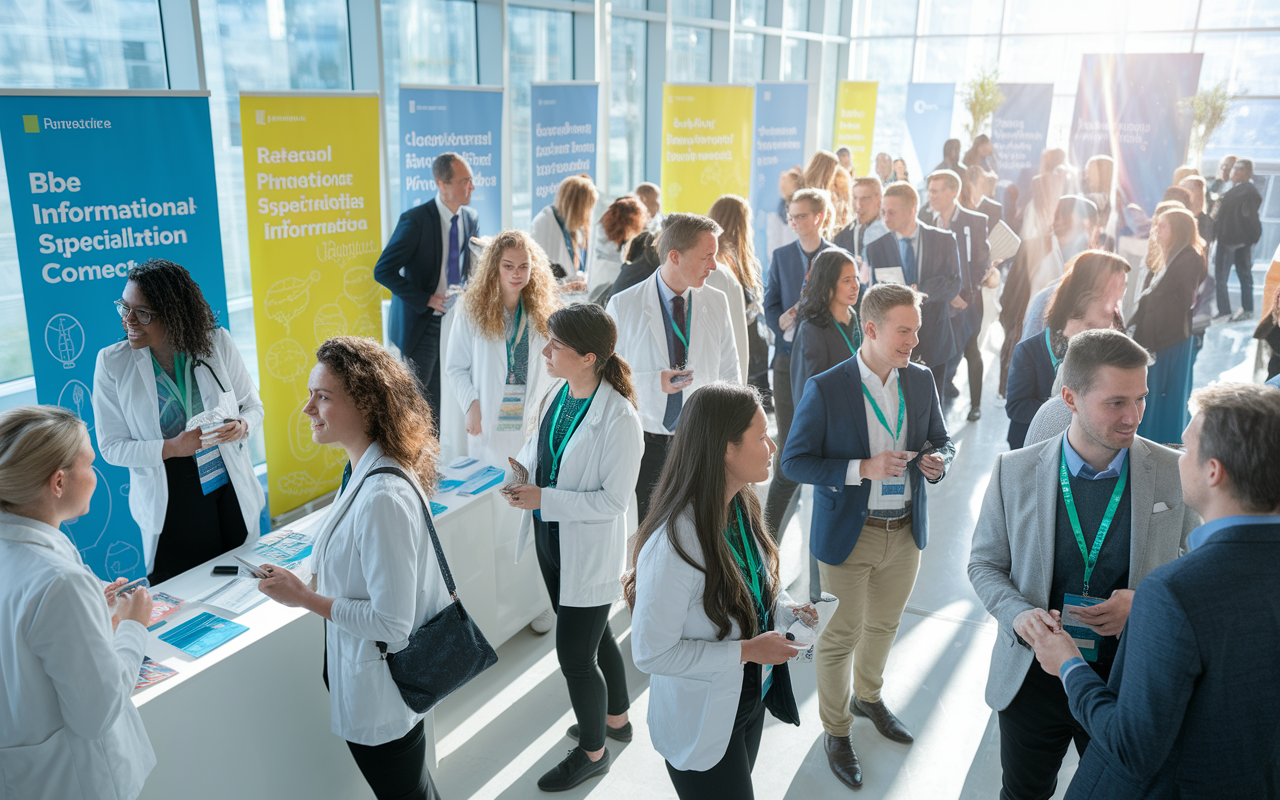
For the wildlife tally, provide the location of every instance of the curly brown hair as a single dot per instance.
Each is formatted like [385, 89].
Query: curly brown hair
[175, 296]
[390, 399]
[483, 301]
[624, 219]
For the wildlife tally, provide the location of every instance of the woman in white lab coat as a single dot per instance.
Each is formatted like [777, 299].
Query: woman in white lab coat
[706, 593]
[494, 364]
[376, 576]
[563, 226]
[622, 221]
[193, 498]
[583, 461]
[738, 276]
[68, 729]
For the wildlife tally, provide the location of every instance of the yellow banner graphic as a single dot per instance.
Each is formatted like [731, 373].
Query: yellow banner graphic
[706, 145]
[855, 121]
[315, 232]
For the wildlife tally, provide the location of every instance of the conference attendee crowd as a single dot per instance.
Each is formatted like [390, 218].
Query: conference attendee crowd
[616, 357]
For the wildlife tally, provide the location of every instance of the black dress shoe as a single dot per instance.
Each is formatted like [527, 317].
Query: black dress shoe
[890, 727]
[975, 414]
[843, 761]
[622, 734]
[576, 768]
[951, 391]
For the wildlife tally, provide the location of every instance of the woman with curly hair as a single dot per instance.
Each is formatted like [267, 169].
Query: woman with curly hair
[192, 489]
[376, 576]
[622, 221]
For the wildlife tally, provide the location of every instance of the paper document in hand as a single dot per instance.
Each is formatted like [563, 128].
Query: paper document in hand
[236, 596]
[1004, 242]
[804, 634]
[890, 275]
[285, 547]
[164, 605]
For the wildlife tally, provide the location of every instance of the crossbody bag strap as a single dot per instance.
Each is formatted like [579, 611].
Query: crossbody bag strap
[431, 528]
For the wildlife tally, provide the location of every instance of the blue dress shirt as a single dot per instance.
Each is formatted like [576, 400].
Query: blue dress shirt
[1079, 469]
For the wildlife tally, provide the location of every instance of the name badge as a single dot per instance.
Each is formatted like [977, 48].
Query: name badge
[893, 487]
[213, 473]
[511, 411]
[1087, 639]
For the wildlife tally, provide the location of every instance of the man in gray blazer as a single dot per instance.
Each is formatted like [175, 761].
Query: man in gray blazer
[1076, 521]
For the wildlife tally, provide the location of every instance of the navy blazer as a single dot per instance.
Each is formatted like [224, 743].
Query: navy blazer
[822, 442]
[1031, 376]
[1192, 707]
[410, 267]
[787, 271]
[970, 228]
[938, 276]
[993, 210]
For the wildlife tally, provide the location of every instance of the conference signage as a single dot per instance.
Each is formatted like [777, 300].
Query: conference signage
[563, 119]
[706, 144]
[1020, 131]
[450, 119]
[856, 121]
[315, 232]
[781, 112]
[929, 107]
[99, 183]
[1128, 107]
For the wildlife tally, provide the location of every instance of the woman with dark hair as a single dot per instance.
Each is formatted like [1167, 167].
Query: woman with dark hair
[829, 331]
[708, 608]
[583, 463]
[192, 489]
[900, 171]
[376, 578]
[1088, 298]
[950, 157]
[622, 221]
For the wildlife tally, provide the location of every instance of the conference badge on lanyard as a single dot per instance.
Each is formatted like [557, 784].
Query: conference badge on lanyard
[511, 410]
[1086, 638]
[890, 487]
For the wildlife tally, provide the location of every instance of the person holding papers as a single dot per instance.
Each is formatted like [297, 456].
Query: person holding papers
[376, 578]
[192, 488]
[68, 730]
[582, 465]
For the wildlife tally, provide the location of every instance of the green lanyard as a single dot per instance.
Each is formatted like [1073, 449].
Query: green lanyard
[752, 563]
[514, 342]
[852, 350]
[1090, 556]
[902, 408]
[557, 452]
[1054, 360]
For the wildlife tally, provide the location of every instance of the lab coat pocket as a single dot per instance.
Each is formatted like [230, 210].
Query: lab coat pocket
[681, 705]
[47, 769]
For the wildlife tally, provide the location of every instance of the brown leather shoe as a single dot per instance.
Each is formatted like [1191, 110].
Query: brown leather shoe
[843, 761]
[890, 727]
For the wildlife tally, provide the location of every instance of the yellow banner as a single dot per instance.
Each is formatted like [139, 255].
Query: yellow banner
[315, 232]
[706, 145]
[855, 121]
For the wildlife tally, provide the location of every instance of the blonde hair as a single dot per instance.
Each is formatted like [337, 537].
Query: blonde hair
[819, 201]
[821, 169]
[1153, 259]
[903, 191]
[733, 214]
[841, 201]
[483, 301]
[575, 199]
[36, 442]
[1185, 234]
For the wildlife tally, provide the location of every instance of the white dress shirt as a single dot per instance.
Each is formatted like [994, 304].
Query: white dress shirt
[446, 220]
[879, 439]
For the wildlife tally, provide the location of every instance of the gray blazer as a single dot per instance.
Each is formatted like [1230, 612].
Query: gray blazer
[1011, 562]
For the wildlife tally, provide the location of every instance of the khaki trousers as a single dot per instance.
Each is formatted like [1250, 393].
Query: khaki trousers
[873, 585]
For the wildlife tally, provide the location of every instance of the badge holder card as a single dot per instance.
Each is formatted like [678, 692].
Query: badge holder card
[1087, 639]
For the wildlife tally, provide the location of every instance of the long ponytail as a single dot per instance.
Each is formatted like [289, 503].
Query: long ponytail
[588, 329]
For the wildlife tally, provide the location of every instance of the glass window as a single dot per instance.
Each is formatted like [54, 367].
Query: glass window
[950, 17]
[795, 15]
[1250, 128]
[955, 59]
[690, 54]
[541, 44]
[638, 5]
[1084, 16]
[1248, 62]
[795, 59]
[1164, 15]
[1240, 14]
[691, 8]
[881, 17]
[1157, 43]
[748, 57]
[627, 104]
[889, 62]
[751, 12]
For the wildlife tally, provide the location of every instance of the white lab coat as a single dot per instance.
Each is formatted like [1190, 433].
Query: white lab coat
[127, 424]
[374, 556]
[597, 478]
[546, 231]
[476, 369]
[722, 278]
[642, 343]
[68, 728]
[605, 260]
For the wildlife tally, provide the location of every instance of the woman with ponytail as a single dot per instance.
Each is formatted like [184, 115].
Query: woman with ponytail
[583, 461]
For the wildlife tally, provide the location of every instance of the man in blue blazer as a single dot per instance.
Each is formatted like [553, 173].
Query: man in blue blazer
[1192, 706]
[870, 518]
[429, 253]
[930, 262]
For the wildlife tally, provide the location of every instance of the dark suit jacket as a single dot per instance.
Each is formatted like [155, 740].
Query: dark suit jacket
[822, 442]
[1192, 707]
[1237, 216]
[1163, 318]
[817, 349]
[410, 267]
[787, 272]
[1031, 376]
[970, 229]
[938, 276]
[993, 211]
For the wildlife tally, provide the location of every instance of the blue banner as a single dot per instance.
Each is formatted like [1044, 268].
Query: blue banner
[562, 119]
[1127, 107]
[929, 107]
[99, 184]
[443, 119]
[1019, 132]
[781, 112]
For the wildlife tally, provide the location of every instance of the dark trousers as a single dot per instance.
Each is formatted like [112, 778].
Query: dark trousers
[757, 358]
[939, 380]
[731, 777]
[973, 356]
[1035, 731]
[425, 358]
[779, 504]
[589, 656]
[1239, 256]
[655, 456]
[197, 526]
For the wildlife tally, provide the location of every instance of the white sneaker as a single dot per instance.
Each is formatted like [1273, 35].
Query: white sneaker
[544, 622]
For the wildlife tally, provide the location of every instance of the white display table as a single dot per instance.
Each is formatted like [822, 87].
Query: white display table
[251, 718]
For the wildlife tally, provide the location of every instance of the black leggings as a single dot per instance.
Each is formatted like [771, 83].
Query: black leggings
[589, 655]
[397, 770]
[731, 777]
[197, 526]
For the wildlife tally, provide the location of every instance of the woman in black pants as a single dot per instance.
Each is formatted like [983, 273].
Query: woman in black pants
[583, 461]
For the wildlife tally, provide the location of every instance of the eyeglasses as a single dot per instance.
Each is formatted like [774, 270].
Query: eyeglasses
[798, 217]
[143, 317]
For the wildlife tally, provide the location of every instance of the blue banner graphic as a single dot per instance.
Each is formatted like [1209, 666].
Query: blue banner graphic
[929, 107]
[1019, 132]
[466, 121]
[1127, 107]
[98, 185]
[563, 126]
[781, 112]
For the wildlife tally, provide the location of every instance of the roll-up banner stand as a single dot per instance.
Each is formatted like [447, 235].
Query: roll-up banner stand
[1019, 132]
[466, 120]
[856, 122]
[563, 120]
[312, 200]
[929, 108]
[706, 144]
[780, 117]
[99, 182]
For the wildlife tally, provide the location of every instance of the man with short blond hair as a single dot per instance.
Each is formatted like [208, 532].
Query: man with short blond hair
[866, 226]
